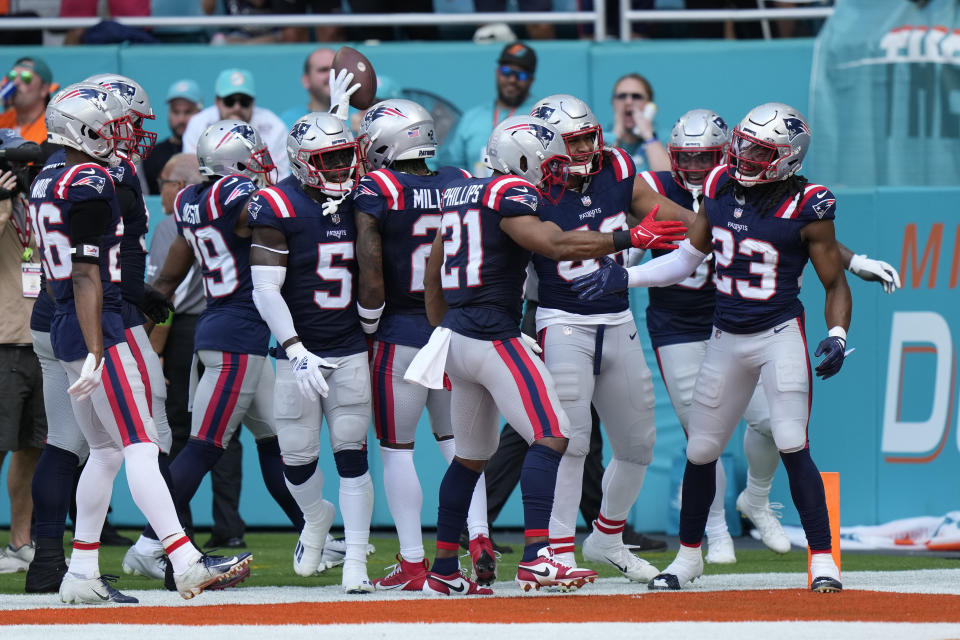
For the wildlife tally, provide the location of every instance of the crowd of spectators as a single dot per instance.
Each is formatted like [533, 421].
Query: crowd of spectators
[111, 31]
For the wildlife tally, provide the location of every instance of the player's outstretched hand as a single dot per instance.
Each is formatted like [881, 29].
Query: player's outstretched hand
[832, 350]
[340, 93]
[154, 305]
[657, 234]
[89, 378]
[307, 368]
[875, 271]
[609, 277]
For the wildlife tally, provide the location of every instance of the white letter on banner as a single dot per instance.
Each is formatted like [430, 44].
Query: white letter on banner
[928, 328]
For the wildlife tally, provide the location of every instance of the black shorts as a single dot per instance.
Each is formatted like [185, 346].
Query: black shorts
[23, 420]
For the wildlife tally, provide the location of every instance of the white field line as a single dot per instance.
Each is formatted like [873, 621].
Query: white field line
[940, 581]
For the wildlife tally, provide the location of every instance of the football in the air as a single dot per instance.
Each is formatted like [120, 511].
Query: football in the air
[356, 63]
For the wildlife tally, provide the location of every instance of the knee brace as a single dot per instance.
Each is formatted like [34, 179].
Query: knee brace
[299, 474]
[351, 463]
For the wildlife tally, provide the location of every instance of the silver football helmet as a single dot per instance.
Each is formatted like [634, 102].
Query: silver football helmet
[323, 153]
[698, 143]
[234, 146]
[396, 129]
[88, 118]
[533, 149]
[573, 118]
[768, 145]
[137, 101]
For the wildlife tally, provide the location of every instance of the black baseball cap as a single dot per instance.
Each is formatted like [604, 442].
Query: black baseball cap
[519, 55]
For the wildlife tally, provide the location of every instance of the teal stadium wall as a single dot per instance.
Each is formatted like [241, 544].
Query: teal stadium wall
[909, 475]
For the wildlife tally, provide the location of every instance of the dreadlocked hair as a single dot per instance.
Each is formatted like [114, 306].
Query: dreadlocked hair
[767, 196]
[416, 166]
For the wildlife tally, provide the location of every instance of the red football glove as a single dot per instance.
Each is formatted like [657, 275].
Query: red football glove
[657, 234]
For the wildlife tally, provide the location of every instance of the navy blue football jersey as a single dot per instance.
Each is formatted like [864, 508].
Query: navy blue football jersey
[408, 212]
[320, 286]
[759, 257]
[52, 196]
[682, 312]
[484, 269]
[128, 261]
[603, 207]
[206, 217]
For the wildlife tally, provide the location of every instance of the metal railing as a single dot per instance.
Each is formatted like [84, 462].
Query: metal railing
[629, 16]
[597, 18]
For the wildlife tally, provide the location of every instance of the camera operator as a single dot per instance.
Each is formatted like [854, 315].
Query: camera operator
[23, 422]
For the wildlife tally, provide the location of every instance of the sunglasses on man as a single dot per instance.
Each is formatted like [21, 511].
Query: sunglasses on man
[507, 72]
[244, 100]
[636, 97]
[26, 76]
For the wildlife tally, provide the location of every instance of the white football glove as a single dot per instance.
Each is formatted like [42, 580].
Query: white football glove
[532, 343]
[875, 270]
[306, 367]
[340, 93]
[89, 378]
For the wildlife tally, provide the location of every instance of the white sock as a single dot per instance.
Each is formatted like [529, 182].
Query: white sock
[93, 492]
[477, 523]
[566, 503]
[309, 497]
[181, 552]
[621, 485]
[149, 490]
[85, 563]
[405, 500]
[762, 460]
[717, 519]
[148, 546]
[356, 506]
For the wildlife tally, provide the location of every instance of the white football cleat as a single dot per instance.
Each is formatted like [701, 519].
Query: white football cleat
[355, 578]
[619, 557]
[686, 567]
[208, 570]
[720, 549]
[334, 552]
[150, 566]
[767, 523]
[16, 560]
[308, 554]
[545, 571]
[826, 576]
[96, 590]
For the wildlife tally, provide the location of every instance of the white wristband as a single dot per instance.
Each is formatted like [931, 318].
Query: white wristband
[838, 332]
[370, 318]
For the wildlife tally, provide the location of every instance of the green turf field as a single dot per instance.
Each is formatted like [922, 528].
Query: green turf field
[272, 563]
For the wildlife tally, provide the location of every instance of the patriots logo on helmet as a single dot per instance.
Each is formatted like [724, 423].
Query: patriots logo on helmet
[822, 206]
[244, 130]
[94, 95]
[543, 112]
[527, 198]
[720, 124]
[795, 126]
[381, 111]
[299, 130]
[124, 90]
[544, 135]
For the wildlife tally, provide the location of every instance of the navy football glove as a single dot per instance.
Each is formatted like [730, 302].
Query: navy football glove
[610, 277]
[154, 305]
[832, 350]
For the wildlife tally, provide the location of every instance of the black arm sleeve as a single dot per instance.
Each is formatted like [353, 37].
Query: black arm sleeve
[89, 220]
